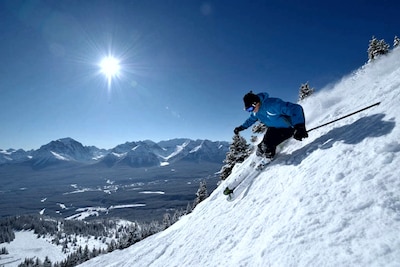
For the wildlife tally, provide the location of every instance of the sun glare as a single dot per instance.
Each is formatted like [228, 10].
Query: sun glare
[110, 67]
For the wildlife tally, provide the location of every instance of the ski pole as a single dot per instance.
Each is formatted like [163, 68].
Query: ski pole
[348, 115]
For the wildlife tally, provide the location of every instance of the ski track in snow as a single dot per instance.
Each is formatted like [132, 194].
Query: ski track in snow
[331, 200]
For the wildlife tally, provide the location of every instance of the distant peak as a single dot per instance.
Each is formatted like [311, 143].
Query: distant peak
[67, 140]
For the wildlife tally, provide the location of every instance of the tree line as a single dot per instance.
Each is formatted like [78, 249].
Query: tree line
[377, 47]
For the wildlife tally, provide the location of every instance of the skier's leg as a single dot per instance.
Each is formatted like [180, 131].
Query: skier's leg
[272, 138]
[267, 146]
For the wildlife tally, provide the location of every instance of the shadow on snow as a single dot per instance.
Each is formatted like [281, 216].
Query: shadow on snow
[367, 127]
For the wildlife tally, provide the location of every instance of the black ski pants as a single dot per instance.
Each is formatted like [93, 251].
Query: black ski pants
[273, 137]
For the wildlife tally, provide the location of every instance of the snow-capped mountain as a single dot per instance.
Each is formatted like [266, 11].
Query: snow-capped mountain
[148, 153]
[204, 150]
[65, 149]
[134, 154]
[12, 155]
[197, 151]
[330, 200]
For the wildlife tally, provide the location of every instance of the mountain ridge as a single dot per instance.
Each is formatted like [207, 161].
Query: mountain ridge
[135, 154]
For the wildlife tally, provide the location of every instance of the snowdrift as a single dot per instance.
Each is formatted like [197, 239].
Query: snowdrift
[331, 200]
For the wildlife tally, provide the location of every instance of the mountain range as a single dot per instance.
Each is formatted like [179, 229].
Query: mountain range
[133, 154]
[77, 176]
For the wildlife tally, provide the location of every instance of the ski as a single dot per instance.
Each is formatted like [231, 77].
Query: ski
[238, 186]
[263, 163]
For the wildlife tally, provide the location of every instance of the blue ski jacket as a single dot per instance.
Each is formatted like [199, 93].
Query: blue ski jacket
[275, 112]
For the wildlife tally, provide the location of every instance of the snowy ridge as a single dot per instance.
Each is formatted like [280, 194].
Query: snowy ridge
[178, 150]
[134, 154]
[331, 200]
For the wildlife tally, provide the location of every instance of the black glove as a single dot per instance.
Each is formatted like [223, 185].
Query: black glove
[300, 132]
[238, 129]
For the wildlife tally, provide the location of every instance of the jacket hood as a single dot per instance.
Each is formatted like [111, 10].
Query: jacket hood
[263, 96]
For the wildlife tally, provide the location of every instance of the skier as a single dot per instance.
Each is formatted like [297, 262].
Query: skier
[283, 120]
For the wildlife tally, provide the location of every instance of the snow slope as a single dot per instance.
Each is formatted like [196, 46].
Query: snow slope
[27, 245]
[331, 200]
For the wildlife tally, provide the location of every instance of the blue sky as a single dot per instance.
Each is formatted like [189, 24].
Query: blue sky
[185, 65]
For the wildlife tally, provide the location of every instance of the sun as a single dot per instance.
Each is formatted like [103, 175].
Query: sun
[110, 66]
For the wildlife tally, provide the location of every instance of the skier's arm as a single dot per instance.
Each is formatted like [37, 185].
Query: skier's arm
[295, 113]
[250, 121]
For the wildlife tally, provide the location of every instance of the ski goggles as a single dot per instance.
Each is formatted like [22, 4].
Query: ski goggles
[250, 109]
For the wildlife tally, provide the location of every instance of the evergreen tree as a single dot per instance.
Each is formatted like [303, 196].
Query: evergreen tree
[6, 233]
[383, 47]
[94, 253]
[47, 262]
[65, 246]
[377, 48]
[167, 220]
[179, 213]
[188, 208]
[372, 48]
[38, 263]
[3, 251]
[112, 246]
[85, 254]
[396, 41]
[238, 151]
[28, 262]
[305, 91]
[201, 194]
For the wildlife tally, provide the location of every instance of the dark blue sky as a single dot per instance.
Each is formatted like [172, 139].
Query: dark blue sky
[185, 65]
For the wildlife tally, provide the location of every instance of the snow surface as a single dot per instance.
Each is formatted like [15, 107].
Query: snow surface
[331, 200]
[27, 245]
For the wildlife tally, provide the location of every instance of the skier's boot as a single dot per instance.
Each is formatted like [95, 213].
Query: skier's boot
[269, 154]
[260, 150]
[228, 191]
[264, 151]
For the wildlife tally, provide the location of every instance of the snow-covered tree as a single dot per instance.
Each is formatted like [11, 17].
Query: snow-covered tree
[47, 262]
[396, 41]
[201, 193]
[376, 48]
[305, 91]
[167, 220]
[3, 251]
[372, 47]
[383, 47]
[239, 150]
[188, 209]
[28, 262]
[180, 212]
